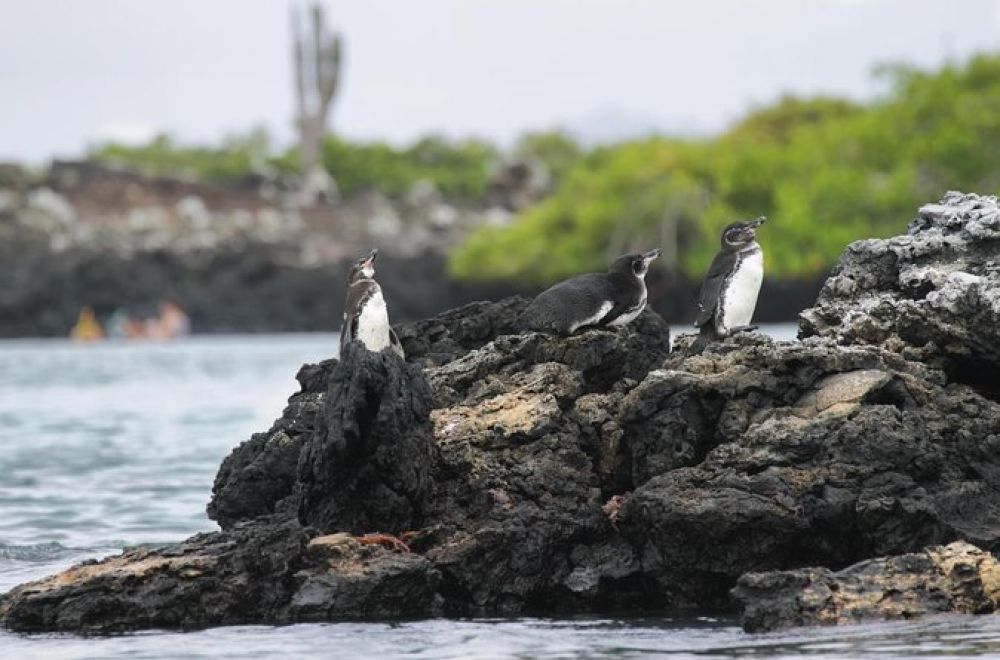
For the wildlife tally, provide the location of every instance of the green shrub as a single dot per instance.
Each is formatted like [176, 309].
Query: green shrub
[825, 171]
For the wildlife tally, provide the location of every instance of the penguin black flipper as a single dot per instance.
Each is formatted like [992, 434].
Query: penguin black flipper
[711, 288]
[356, 293]
[620, 307]
[348, 330]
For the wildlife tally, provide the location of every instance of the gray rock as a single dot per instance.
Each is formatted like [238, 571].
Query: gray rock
[760, 455]
[452, 334]
[958, 578]
[266, 571]
[366, 468]
[259, 476]
[932, 294]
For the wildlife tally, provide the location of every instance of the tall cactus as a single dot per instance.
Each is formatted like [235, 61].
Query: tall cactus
[317, 57]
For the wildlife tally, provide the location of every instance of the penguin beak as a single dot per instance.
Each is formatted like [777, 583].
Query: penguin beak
[758, 222]
[652, 254]
[370, 261]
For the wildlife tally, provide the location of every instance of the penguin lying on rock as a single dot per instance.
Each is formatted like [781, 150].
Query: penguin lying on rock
[729, 292]
[365, 315]
[593, 300]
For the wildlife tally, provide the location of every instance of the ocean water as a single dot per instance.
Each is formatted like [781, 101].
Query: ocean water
[111, 445]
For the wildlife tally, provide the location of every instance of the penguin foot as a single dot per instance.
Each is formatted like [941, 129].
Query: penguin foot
[743, 328]
[387, 541]
[698, 345]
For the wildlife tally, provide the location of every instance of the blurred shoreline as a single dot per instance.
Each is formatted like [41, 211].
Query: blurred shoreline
[243, 258]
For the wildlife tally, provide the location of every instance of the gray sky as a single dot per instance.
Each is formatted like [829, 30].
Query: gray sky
[75, 71]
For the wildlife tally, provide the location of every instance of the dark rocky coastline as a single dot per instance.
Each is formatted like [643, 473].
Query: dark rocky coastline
[244, 258]
[537, 474]
[253, 287]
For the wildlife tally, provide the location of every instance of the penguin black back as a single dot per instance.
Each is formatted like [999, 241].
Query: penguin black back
[595, 299]
[729, 291]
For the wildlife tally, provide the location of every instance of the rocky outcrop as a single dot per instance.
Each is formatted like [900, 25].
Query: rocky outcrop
[523, 429]
[351, 452]
[761, 455]
[452, 334]
[269, 461]
[367, 467]
[932, 294]
[271, 570]
[259, 477]
[494, 461]
[541, 474]
[958, 578]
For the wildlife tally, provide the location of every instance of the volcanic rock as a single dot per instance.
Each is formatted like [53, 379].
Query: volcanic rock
[957, 578]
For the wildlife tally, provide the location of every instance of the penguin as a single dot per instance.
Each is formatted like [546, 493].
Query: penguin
[613, 298]
[366, 317]
[729, 292]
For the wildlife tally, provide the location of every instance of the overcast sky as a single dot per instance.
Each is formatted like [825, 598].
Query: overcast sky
[76, 71]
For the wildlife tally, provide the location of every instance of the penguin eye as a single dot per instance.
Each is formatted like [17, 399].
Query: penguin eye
[637, 266]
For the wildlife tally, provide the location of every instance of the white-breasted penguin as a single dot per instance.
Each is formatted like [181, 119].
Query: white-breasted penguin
[366, 317]
[729, 292]
[596, 299]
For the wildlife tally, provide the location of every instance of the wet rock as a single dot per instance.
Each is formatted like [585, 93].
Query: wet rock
[352, 451]
[259, 476]
[267, 571]
[367, 466]
[759, 455]
[516, 518]
[347, 581]
[932, 294]
[493, 459]
[210, 579]
[957, 578]
[602, 358]
[448, 336]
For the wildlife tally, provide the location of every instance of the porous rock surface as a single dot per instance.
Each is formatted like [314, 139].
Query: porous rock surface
[955, 578]
[760, 455]
[540, 474]
[271, 570]
[932, 294]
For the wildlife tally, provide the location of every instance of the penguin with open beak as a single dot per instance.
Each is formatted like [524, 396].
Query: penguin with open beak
[729, 293]
[366, 317]
[613, 298]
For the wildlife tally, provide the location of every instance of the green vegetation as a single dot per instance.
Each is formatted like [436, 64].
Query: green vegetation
[237, 157]
[460, 170]
[825, 172]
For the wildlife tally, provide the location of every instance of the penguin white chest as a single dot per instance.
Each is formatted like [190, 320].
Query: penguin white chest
[373, 323]
[740, 296]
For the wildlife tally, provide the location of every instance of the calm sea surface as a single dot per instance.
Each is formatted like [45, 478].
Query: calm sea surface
[116, 444]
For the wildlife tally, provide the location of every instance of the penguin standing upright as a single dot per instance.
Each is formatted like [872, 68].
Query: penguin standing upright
[596, 299]
[365, 315]
[729, 292]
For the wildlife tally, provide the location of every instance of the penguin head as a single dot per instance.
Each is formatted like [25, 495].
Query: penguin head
[364, 268]
[740, 234]
[637, 264]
